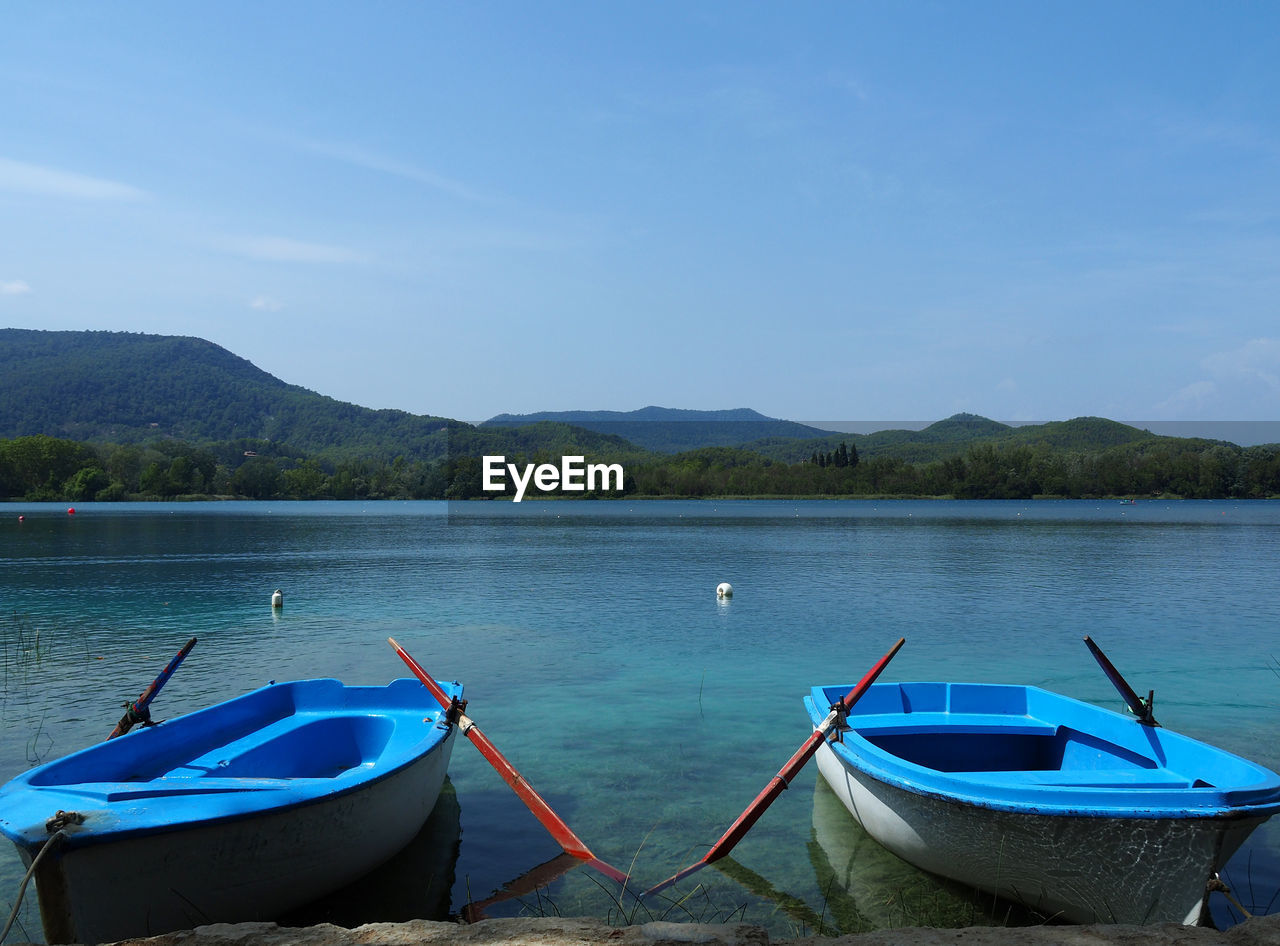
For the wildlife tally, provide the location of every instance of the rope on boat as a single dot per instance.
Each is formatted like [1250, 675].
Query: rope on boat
[1216, 885]
[62, 819]
[54, 839]
[137, 715]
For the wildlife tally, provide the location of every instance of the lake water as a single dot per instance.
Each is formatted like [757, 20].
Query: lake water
[596, 655]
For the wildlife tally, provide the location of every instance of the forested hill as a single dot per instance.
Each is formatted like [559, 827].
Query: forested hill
[112, 415]
[957, 434]
[122, 387]
[670, 430]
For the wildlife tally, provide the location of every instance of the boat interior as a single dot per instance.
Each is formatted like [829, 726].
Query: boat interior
[1019, 735]
[273, 733]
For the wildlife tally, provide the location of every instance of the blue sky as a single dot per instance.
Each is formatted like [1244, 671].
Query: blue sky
[825, 211]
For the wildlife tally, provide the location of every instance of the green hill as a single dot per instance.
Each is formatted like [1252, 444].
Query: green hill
[129, 388]
[113, 415]
[121, 387]
[1080, 434]
[671, 430]
[955, 435]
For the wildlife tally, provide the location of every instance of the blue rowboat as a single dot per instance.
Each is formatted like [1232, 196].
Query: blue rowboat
[240, 811]
[1073, 811]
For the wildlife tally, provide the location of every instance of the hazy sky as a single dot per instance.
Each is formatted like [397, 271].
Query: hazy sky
[825, 211]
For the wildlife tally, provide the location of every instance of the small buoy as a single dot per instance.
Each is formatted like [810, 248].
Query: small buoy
[71, 511]
[22, 518]
[724, 590]
[277, 599]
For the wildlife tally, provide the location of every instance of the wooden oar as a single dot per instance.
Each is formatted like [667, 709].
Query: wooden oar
[554, 824]
[783, 779]
[137, 711]
[1143, 709]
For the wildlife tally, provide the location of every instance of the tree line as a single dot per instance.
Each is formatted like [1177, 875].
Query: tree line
[842, 456]
[41, 468]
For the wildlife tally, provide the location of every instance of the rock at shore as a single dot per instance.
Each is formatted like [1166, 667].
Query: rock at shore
[556, 931]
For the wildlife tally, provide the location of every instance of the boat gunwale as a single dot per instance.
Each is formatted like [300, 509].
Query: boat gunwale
[306, 791]
[1171, 801]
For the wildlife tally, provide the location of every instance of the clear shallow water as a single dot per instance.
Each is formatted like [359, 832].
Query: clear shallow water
[597, 657]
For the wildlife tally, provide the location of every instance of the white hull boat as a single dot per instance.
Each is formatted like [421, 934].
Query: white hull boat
[1073, 811]
[241, 811]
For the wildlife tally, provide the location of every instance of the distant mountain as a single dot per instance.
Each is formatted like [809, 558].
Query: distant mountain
[671, 430]
[943, 438]
[1081, 433]
[122, 387]
[956, 434]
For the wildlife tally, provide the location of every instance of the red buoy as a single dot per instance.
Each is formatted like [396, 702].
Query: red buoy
[71, 511]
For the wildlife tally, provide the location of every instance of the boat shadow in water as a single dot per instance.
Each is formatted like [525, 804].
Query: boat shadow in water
[415, 884]
[866, 887]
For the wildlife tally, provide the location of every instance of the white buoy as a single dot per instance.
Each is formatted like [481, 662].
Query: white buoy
[277, 599]
[724, 590]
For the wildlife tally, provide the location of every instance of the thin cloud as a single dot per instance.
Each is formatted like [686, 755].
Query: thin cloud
[373, 161]
[1250, 370]
[277, 249]
[23, 178]
[265, 304]
[1256, 360]
[758, 106]
[14, 287]
[1191, 398]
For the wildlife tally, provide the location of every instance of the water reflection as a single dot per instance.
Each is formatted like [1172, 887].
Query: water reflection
[865, 887]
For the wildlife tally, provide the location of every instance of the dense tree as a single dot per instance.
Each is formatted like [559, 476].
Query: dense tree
[38, 467]
[257, 478]
[306, 481]
[47, 468]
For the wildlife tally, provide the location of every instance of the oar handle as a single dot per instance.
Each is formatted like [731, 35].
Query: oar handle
[166, 673]
[871, 676]
[1141, 708]
[420, 672]
[137, 710]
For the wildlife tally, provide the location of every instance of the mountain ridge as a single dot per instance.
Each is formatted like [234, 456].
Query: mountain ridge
[671, 429]
[102, 386]
[109, 416]
[126, 387]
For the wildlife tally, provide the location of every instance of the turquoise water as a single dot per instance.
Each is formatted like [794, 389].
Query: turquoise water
[597, 656]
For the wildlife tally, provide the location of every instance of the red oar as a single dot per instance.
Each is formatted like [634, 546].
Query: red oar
[137, 711]
[1143, 709]
[783, 779]
[554, 824]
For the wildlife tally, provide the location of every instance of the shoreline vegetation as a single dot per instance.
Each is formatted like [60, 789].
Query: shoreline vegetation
[47, 469]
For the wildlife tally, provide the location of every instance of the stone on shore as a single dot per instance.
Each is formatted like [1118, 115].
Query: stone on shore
[556, 931]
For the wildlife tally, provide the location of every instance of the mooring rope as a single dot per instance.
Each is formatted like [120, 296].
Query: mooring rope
[54, 839]
[1217, 885]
